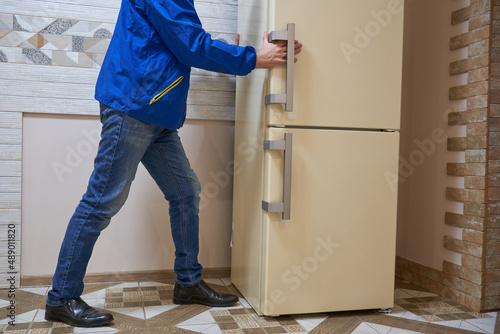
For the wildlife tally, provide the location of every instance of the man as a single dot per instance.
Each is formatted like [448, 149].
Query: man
[142, 88]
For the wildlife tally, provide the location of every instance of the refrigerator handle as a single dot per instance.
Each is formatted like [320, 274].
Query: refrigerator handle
[286, 146]
[289, 36]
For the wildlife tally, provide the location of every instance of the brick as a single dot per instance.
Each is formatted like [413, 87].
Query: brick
[472, 262]
[493, 262]
[493, 221]
[494, 110]
[493, 208]
[461, 298]
[474, 209]
[479, 48]
[478, 129]
[494, 138]
[494, 152]
[495, 41]
[495, 83]
[494, 123]
[493, 235]
[467, 274]
[399, 272]
[494, 166]
[495, 25]
[457, 144]
[462, 221]
[480, 74]
[493, 193]
[477, 8]
[402, 262]
[477, 102]
[463, 247]
[495, 96]
[431, 285]
[495, 53]
[491, 303]
[495, 70]
[473, 236]
[493, 248]
[468, 64]
[465, 195]
[415, 267]
[461, 15]
[433, 274]
[469, 90]
[492, 289]
[474, 182]
[411, 277]
[494, 179]
[477, 142]
[492, 276]
[475, 155]
[466, 117]
[431, 280]
[467, 38]
[480, 20]
[466, 169]
[464, 286]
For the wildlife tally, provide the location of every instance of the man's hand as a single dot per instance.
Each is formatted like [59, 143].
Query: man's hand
[273, 54]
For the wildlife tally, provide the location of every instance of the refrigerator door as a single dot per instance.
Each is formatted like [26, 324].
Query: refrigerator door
[349, 72]
[337, 251]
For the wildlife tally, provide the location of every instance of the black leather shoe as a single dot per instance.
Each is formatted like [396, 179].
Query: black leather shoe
[78, 314]
[201, 293]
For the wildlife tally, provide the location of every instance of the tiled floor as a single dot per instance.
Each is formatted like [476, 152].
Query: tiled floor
[146, 308]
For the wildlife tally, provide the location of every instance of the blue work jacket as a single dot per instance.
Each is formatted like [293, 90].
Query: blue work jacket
[146, 71]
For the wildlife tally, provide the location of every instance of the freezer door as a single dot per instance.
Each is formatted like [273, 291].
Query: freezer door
[337, 250]
[349, 72]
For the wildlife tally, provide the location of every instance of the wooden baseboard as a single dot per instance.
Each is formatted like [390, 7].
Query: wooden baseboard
[133, 276]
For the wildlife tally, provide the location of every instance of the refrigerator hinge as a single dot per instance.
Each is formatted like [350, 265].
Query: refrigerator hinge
[388, 130]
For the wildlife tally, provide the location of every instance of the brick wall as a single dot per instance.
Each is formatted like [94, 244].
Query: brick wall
[476, 282]
[492, 233]
[468, 279]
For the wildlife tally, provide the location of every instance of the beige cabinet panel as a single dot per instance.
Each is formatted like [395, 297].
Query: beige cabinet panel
[337, 251]
[349, 72]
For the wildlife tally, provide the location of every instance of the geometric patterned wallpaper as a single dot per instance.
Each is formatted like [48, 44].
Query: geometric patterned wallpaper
[48, 41]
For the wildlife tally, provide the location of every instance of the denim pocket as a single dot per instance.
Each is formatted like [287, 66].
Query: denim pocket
[103, 115]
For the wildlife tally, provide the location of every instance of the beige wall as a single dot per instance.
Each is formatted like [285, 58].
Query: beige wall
[139, 240]
[424, 129]
[57, 161]
[38, 67]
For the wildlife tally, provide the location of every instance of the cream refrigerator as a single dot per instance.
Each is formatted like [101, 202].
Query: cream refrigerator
[316, 157]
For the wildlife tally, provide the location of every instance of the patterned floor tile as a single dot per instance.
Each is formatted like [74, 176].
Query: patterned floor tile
[146, 308]
[364, 328]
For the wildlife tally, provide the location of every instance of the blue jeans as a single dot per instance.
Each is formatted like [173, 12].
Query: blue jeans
[125, 142]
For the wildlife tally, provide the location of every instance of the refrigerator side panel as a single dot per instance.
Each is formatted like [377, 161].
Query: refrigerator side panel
[246, 260]
[337, 251]
[349, 72]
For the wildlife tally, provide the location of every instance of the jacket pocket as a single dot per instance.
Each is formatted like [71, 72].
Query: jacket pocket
[166, 90]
